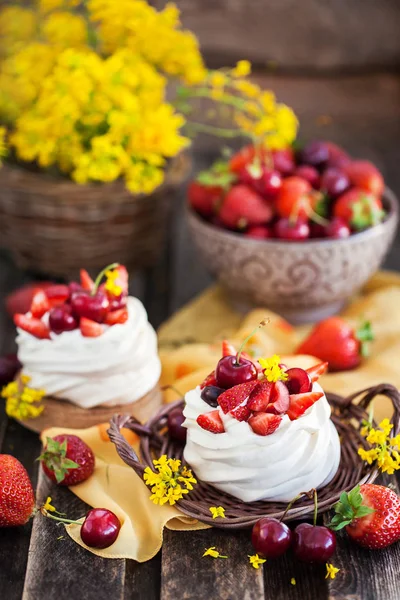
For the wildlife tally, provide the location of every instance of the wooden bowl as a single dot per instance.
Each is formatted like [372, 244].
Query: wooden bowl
[61, 413]
[303, 281]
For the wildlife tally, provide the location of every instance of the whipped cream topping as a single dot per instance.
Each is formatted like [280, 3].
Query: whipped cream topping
[300, 455]
[118, 367]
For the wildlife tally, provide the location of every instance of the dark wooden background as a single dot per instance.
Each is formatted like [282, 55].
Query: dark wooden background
[336, 62]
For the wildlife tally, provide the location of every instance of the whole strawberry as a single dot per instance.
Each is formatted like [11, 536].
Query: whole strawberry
[17, 500]
[371, 515]
[338, 343]
[67, 460]
[242, 207]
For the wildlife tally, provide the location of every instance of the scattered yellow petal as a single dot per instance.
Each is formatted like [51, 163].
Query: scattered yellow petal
[331, 571]
[217, 511]
[256, 561]
[293, 581]
[213, 553]
[48, 506]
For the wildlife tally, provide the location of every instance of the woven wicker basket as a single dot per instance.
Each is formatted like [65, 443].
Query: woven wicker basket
[55, 226]
[347, 415]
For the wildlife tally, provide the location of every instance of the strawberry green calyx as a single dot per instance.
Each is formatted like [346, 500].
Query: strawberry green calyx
[54, 457]
[365, 214]
[349, 508]
[365, 335]
[218, 175]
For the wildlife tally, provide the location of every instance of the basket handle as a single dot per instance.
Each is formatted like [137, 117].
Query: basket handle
[124, 449]
[368, 395]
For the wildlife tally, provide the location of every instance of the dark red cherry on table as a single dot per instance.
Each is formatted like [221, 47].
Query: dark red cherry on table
[308, 173]
[315, 153]
[297, 231]
[61, 319]
[93, 307]
[337, 228]
[210, 395]
[175, 420]
[100, 528]
[271, 537]
[313, 543]
[9, 367]
[334, 182]
[299, 381]
[231, 372]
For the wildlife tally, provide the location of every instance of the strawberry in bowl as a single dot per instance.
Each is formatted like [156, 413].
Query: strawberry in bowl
[260, 431]
[296, 231]
[89, 342]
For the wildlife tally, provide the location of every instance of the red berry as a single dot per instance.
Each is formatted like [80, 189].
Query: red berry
[279, 400]
[100, 528]
[299, 403]
[242, 207]
[67, 460]
[93, 307]
[264, 423]
[20, 300]
[315, 153]
[87, 282]
[175, 420]
[211, 422]
[61, 319]
[90, 328]
[230, 372]
[205, 199]
[334, 182]
[295, 199]
[299, 381]
[358, 208]
[260, 397]
[271, 537]
[241, 413]
[269, 183]
[363, 174]
[317, 370]
[313, 543]
[232, 398]
[117, 317]
[259, 232]
[9, 367]
[57, 294]
[17, 500]
[284, 161]
[209, 380]
[35, 327]
[228, 349]
[297, 231]
[337, 229]
[40, 304]
[308, 173]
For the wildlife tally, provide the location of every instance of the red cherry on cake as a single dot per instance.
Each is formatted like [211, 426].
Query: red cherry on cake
[271, 537]
[93, 307]
[298, 381]
[175, 420]
[230, 371]
[313, 543]
[100, 528]
[61, 319]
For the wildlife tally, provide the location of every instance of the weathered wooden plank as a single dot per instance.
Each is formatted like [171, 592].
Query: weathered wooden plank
[188, 576]
[366, 574]
[14, 542]
[59, 568]
[314, 34]
[143, 580]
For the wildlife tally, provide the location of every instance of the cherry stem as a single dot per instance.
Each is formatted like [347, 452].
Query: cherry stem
[315, 506]
[101, 275]
[259, 326]
[289, 506]
[45, 513]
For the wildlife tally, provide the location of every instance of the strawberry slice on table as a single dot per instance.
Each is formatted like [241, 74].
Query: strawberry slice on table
[317, 370]
[117, 317]
[87, 282]
[242, 206]
[260, 397]
[371, 515]
[209, 380]
[40, 304]
[90, 328]
[57, 294]
[299, 403]
[338, 343]
[211, 422]
[34, 326]
[279, 399]
[264, 423]
[230, 399]
[228, 349]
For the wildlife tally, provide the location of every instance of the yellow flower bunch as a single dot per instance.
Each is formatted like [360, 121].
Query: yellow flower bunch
[385, 450]
[3, 147]
[169, 482]
[83, 92]
[272, 371]
[23, 402]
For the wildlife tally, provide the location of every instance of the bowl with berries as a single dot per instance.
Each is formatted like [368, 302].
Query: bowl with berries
[299, 231]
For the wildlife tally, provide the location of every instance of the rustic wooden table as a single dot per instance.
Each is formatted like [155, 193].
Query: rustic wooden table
[35, 564]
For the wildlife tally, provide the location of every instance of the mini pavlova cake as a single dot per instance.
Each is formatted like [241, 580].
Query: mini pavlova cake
[91, 344]
[261, 432]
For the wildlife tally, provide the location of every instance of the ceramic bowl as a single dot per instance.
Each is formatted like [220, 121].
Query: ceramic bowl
[303, 281]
